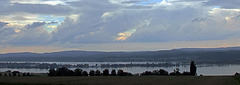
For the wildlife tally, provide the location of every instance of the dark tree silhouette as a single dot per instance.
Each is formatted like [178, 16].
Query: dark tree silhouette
[236, 74]
[8, 71]
[163, 72]
[172, 74]
[28, 74]
[185, 73]
[14, 73]
[105, 72]
[113, 72]
[155, 72]
[78, 72]
[24, 74]
[85, 73]
[193, 69]
[91, 72]
[176, 72]
[52, 72]
[0, 74]
[146, 73]
[9, 74]
[70, 73]
[120, 72]
[98, 73]
[127, 74]
[62, 71]
[19, 74]
[65, 72]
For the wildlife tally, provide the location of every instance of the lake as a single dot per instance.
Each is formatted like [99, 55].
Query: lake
[204, 69]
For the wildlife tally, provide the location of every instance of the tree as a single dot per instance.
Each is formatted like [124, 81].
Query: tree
[98, 73]
[185, 73]
[15, 73]
[193, 68]
[24, 74]
[28, 74]
[8, 71]
[127, 74]
[177, 71]
[78, 72]
[70, 73]
[163, 72]
[52, 72]
[19, 74]
[113, 73]
[62, 71]
[85, 73]
[91, 72]
[105, 72]
[9, 74]
[120, 72]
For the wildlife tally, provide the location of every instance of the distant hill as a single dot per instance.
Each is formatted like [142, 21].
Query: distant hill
[209, 49]
[209, 55]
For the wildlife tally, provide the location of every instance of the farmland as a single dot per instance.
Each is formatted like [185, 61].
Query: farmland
[121, 80]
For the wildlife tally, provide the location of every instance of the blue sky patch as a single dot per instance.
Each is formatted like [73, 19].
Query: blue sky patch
[48, 18]
[147, 2]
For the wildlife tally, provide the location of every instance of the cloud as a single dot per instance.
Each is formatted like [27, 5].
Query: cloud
[228, 4]
[117, 21]
[20, 18]
[34, 33]
[2, 24]
[123, 36]
[87, 5]
[5, 33]
[176, 22]
[49, 27]
[198, 19]
[35, 24]
[36, 36]
[88, 27]
[12, 8]
[4, 2]
[131, 1]
[50, 2]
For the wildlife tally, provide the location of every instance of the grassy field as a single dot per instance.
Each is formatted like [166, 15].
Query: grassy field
[117, 80]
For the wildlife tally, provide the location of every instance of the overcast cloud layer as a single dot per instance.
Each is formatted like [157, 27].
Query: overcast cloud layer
[71, 22]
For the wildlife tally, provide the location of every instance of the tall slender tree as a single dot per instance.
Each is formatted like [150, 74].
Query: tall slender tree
[193, 68]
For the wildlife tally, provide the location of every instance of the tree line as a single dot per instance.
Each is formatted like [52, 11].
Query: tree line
[79, 72]
[63, 71]
[14, 73]
[176, 72]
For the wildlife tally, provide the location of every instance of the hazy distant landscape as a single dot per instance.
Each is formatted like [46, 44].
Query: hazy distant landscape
[228, 55]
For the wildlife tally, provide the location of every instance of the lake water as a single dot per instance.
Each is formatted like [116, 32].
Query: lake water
[203, 69]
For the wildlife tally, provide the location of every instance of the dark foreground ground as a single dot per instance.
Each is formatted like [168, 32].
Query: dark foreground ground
[132, 80]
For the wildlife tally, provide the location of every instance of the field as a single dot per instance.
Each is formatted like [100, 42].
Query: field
[117, 80]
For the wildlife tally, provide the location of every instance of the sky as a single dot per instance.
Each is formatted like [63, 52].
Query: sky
[117, 25]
